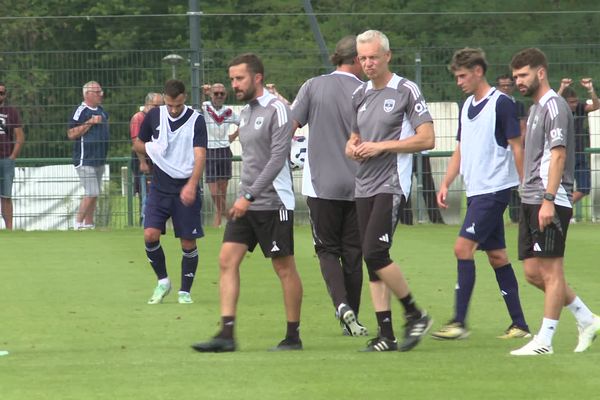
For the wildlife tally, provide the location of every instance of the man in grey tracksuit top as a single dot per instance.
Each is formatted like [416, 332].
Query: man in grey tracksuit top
[263, 214]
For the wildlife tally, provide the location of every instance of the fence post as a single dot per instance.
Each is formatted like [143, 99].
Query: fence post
[419, 160]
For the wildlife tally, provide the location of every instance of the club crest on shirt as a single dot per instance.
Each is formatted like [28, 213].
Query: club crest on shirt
[258, 122]
[388, 105]
[535, 122]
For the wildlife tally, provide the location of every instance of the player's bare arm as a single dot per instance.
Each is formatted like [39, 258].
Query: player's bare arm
[423, 139]
[516, 145]
[188, 192]
[452, 172]
[558, 156]
[351, 146]
[82, 129]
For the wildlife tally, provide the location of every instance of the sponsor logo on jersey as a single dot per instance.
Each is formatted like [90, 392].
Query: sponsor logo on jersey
[421, 107]
[388, 105]
[556, 135]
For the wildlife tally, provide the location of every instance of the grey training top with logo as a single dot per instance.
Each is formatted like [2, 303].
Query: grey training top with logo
[550, 124]
[325, 103]
[381, 115]
[265, 135]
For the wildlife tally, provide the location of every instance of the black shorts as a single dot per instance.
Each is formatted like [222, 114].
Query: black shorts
[551, 242]
[377, 219]
[218, 164]
[273, 230]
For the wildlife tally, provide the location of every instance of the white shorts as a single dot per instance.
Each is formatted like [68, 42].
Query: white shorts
[91, 179]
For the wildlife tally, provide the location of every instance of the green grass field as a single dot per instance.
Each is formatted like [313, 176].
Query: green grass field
[74, 318]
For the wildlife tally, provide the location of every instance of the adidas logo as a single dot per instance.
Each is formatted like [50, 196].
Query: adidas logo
[275, 248]
[195, 231]
[363, 108]
[385, 238]
[536, 247]
[471, 229]
[190, 275]
[503, 293]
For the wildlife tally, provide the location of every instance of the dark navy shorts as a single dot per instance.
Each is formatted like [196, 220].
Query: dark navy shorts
[218, 164]
[550, 243]
[187, 222]
[484, 221]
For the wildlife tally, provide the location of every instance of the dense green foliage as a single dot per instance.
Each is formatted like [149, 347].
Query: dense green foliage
[49, 48]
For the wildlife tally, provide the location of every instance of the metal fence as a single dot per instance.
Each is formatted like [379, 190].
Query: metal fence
[46, 87]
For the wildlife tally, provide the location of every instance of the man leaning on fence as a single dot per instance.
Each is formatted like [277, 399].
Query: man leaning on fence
[11, 141]
[88, 128]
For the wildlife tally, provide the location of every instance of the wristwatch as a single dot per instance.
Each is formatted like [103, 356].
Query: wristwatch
[549, 196]
[249, 197]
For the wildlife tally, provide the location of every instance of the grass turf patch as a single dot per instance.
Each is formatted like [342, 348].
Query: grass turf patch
[75, 320]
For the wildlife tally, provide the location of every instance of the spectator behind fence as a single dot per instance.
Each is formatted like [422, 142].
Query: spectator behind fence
[219, 120]
[580, 110]
[429, 194]
[11, 141]
[88, 128]
[506, 85]
[174, 137]
[325, 104]
[140, 164]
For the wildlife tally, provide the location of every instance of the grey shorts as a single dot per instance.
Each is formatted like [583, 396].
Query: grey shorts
[91, 179]
[7, 175]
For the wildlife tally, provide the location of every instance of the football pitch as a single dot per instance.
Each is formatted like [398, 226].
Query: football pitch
[73, 316]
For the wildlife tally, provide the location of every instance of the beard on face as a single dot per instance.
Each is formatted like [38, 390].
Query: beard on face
[246, 95]
[533, 88]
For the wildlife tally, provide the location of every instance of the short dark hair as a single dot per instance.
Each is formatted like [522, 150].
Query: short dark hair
[504, 76]
[174, 87]
[569, 92]
[468, 58]
[532, 57]
[345, 51]
[253, 62]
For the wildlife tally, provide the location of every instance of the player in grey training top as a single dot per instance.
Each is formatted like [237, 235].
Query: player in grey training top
[325, 103]
[546, 203]
[263, 214]
[387, 108]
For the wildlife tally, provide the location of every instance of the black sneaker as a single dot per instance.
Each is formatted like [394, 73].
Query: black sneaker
[288, 344]
[414, 330]
[351, 324]
[215, 345]
[381, 343]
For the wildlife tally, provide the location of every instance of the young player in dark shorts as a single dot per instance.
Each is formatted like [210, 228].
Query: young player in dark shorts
[174, 138]
[489, 156]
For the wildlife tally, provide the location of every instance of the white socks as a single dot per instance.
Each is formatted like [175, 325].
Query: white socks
[581, 312]
[547, 331]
